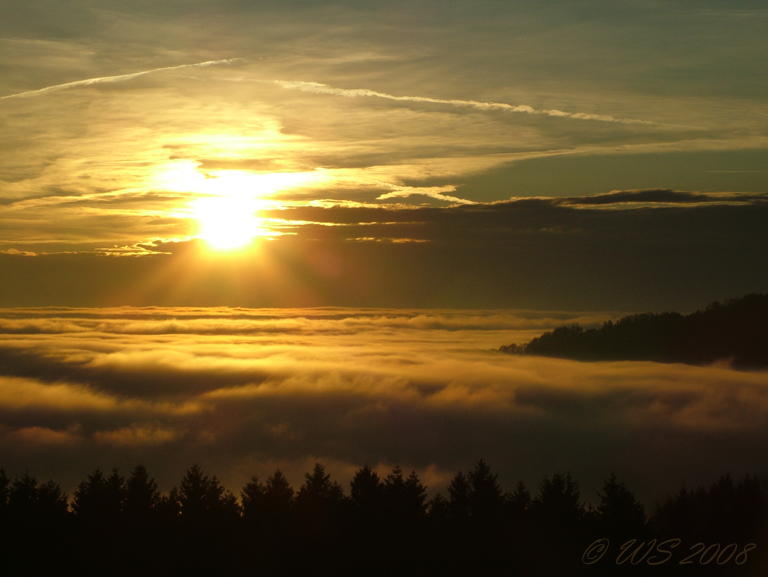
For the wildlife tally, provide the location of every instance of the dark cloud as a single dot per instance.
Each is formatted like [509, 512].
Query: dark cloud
[664, 196]
[669, 251]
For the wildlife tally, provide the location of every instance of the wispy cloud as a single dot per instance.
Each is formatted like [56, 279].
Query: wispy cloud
[436, 192]
[113, 79]
[318, 88]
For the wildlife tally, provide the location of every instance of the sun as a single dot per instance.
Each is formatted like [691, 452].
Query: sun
[227, 222]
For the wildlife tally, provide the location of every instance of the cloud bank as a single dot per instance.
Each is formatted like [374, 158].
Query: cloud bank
[638, 251]
[245, 391]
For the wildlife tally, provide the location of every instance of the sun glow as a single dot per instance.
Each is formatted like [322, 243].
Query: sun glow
[228, 201]
[228, 222]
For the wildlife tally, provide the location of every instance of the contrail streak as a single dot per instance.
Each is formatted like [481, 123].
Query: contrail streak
[319, 88]
[110, 79]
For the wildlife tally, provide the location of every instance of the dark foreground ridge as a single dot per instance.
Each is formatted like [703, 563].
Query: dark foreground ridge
[736, 330]
[115, 526]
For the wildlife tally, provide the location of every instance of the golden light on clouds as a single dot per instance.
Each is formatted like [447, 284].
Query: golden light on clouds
[252, 387]
[188, 176]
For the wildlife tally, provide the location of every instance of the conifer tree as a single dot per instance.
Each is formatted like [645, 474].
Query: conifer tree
[142, 497]
[619, 513]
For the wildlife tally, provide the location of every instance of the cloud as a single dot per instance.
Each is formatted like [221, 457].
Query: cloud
[318, 88]
[437, 192]
[36, 438]
[113, 79]
[171, 387]
[137, 435]
[632, 251]
[664, 197]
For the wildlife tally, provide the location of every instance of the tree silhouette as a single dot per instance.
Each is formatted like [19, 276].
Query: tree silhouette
[736, 330]
[208, 516]
[437, 510]
[404, 499]
[485, 498]
[319, 509]
[724, 511]
[22, 498]
[126, 528]
[31, 505]
[141, 495]
[279, 496]
[619, 515]
[99, 500]
[145, 529]
[318, 496]
[519, 500]
[37, 520]
[98, 507]
[559, 498]
[252, 500]
[404, 510]
[204, 500]
[366, 491]
[268, 512]
[458, 498]
[557, 516]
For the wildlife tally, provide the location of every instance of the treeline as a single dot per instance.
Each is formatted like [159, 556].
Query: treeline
[736, 329]
[384, 526]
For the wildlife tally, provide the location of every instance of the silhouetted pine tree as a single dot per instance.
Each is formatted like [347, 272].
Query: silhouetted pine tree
[558, 500]
[319, 504]
[319, 499]
[146, 532]
[557, 515]
[619, 516]
[37, 521]
[403, 520]
[437, 510]
[279, 498]
[252, 501]
[458, 499]
[268, 510]
[141, 496]
[726, 511]
[98, 501]
[519, 500]
[98, 506]
[208, 515]
[366, 492]
[485, 498]
[404, 499]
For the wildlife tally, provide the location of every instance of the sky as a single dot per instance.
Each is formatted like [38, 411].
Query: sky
[127, 126]
[511, 164]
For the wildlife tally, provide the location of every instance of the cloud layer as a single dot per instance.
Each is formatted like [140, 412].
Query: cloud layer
[245, 391]
[648, 250]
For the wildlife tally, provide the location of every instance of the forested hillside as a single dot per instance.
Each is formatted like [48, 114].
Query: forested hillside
[736, 330]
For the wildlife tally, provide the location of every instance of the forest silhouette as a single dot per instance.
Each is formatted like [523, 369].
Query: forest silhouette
[735, 330]
[114, 525]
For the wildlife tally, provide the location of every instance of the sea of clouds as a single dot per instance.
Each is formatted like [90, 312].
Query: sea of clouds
[245, 391]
